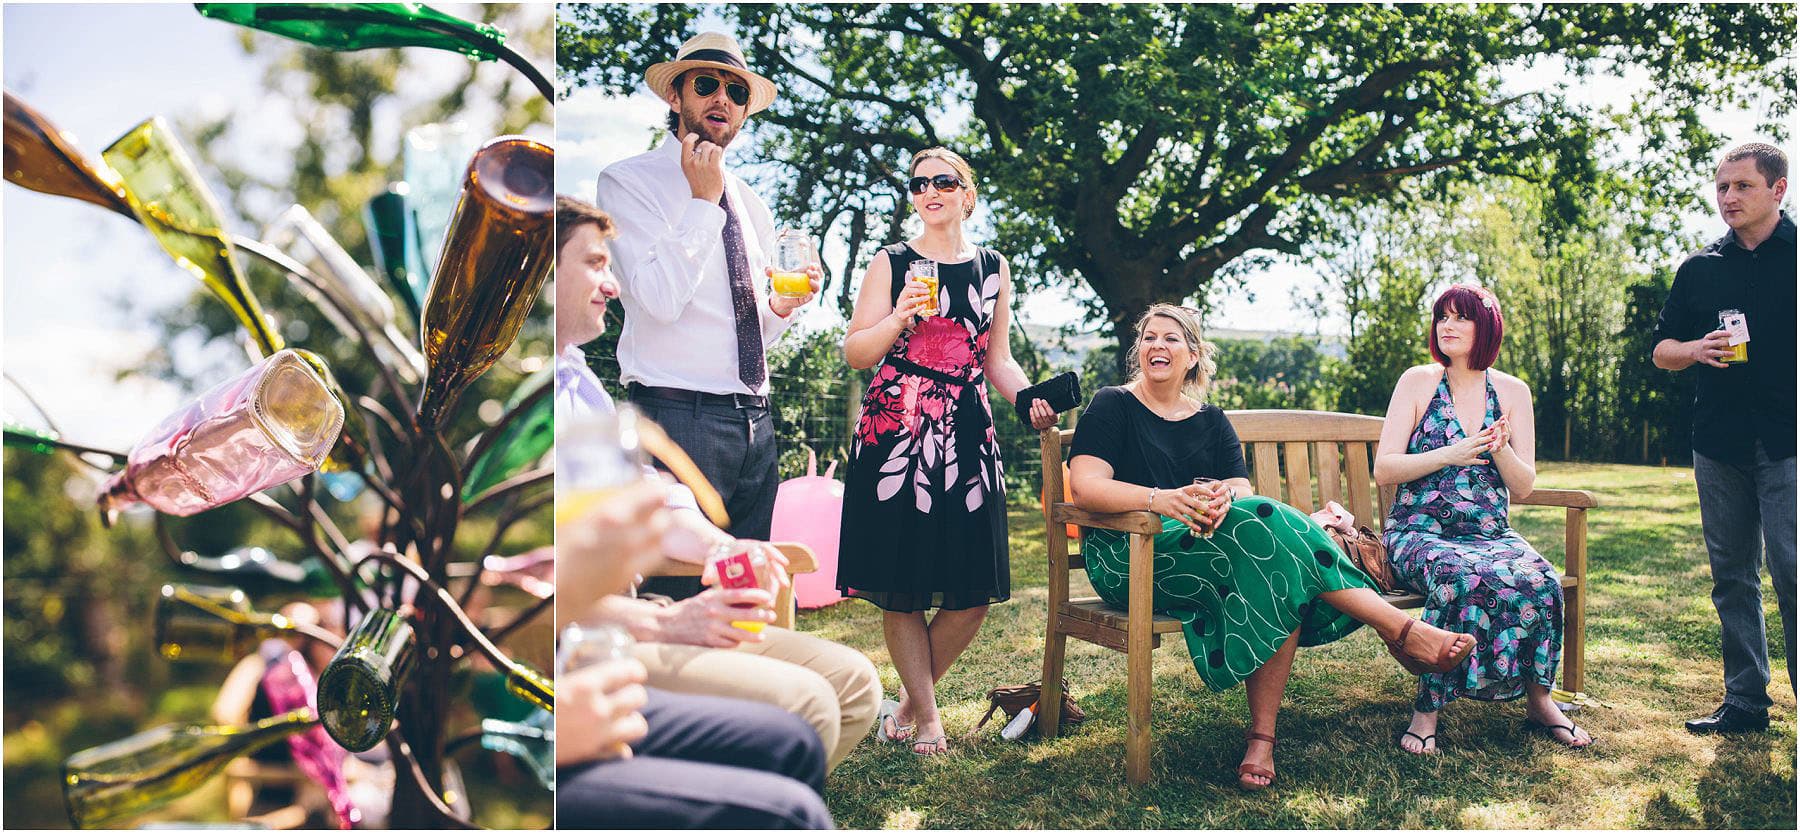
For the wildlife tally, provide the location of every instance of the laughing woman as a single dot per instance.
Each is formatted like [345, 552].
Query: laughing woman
[924, 522]
[1245, 592]
[1458, 437]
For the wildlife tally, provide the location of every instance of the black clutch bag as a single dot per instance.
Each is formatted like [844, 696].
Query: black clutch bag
[1063, 392]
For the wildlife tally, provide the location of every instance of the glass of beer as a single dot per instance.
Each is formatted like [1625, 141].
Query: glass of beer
[925, 272]
[1207, 485]
[1733, 322]
[596, 457]
[793, 253]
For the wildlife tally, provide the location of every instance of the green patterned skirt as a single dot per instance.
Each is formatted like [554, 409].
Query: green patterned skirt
[1241, 592]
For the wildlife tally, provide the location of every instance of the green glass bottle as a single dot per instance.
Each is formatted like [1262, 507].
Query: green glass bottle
[172, 201]
[31, 439]
[258, 572]
[497, 254]
[394, 238]
[40, 156]
[195, 623]
[107, 783]
[532, 741]
[525, 440]
[351, 26]
[360, 688]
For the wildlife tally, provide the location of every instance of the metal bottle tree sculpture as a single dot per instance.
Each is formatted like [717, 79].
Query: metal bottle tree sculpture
[286, 419]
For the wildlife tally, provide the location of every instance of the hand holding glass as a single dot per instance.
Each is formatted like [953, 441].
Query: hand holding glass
[794, 252]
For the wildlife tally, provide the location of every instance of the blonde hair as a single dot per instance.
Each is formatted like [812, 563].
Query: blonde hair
[1199, 377]
[957, 164]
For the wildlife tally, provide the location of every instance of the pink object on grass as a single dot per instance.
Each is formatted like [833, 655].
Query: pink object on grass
[807, 510]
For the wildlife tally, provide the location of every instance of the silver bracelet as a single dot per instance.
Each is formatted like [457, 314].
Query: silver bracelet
[1150, 505]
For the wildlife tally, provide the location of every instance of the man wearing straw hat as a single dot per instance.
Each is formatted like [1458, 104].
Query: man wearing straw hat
[689, 235]
[692, 243]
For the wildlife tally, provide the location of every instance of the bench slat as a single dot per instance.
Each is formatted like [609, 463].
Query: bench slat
[1331, 485]
[1299, 477]
[1358, 473]
[1267, 471]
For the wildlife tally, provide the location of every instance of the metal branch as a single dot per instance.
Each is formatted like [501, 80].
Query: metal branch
[523, 618]
[514, 483]
[403, 759]
[449, 606]
[182, 558]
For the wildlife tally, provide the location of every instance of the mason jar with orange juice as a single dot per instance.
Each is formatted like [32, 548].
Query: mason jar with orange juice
[793, 253]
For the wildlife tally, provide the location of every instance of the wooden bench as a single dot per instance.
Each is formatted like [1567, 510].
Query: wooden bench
[800, 560]
[1304, 458]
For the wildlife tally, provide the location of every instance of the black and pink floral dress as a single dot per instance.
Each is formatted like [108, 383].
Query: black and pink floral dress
[924, 521]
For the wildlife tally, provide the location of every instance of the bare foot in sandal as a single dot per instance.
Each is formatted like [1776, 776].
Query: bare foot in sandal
[1550, 720]
[930, 739]
[1420, 738]
[1257, 771]
[1421, 648]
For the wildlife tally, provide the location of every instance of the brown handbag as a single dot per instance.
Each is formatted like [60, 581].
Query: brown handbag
[1366, 550]
[1013, 699]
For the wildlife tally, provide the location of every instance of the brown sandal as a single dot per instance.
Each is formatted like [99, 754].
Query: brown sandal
[1451, 655]
[1253, 769]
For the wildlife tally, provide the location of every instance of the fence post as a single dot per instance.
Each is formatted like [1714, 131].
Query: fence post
[1646, 453]
[1568, 428]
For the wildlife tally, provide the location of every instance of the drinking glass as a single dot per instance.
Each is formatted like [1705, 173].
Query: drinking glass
[1206, 483]
[926, 272]
[793, 253]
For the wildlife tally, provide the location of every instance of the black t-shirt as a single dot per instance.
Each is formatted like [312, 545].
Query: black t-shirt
[1736, 405]
[1148, 450]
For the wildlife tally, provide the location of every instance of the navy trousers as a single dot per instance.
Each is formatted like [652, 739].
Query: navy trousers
[707, 763]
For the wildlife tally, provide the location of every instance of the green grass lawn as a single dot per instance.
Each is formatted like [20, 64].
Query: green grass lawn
[1653, 661]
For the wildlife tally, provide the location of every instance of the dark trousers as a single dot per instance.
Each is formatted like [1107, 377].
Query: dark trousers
[707, 763]
[1747, 516]
[735, 448]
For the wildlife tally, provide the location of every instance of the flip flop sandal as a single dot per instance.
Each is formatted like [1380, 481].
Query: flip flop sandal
[1253, 769]
[1550, 732]
[890, 711]
[938, 744]
[1422, 742]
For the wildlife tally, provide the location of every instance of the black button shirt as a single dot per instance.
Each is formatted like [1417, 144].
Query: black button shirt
[1739, 404]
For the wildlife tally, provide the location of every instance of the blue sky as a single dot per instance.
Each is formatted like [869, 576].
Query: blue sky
[83, 287]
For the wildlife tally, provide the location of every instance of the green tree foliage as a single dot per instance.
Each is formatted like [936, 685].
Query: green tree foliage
[1150, 150]
[1289, 372]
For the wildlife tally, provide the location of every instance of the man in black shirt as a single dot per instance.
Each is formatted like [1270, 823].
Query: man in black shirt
[1731, 311]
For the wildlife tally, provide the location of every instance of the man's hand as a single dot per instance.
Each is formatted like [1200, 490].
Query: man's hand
[1710, 348]
[784, 306]
[599, 706]
[703, 163]
[705, 620]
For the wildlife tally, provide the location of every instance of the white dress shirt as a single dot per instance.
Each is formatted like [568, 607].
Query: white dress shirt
[669, 254]
[579, 394]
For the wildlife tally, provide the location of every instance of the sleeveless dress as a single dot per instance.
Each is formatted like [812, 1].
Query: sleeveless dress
[924, 522]
[1448, 538]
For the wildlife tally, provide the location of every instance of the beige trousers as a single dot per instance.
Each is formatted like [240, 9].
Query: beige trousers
[834, 688]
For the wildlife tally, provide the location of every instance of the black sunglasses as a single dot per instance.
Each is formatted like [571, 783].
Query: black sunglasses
[944, 183]
[706, 85]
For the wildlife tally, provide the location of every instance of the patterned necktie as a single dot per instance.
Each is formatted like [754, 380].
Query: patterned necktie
[743, 302]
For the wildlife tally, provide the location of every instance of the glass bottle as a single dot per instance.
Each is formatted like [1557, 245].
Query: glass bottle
[532, 740]
[172, 201]
[296, 232]
[360, 689]
[394, 239]
[264, 427]
[106, 783]
[40, 156]
[32, 439]
[348, 27]
[259, 572]
[497, 254]
[196, 623]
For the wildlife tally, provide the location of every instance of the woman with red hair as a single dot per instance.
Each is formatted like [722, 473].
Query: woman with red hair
[1458, 438]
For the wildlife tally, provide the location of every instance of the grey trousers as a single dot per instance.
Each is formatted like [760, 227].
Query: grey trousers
[1747, 512]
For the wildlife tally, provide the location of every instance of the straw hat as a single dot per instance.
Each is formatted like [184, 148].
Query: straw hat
[717, 51]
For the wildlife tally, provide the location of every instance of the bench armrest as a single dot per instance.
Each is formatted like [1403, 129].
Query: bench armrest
[1148, 523]
[1571, 498]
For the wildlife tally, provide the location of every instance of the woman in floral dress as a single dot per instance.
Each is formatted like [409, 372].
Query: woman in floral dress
[924, 523]
[1457, 439]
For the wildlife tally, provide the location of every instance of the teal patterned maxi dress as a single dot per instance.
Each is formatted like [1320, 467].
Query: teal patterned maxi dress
[1238, 594]
[1447, 538]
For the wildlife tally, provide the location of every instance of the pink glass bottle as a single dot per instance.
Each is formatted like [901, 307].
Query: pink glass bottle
[288, 684]
[264, 427]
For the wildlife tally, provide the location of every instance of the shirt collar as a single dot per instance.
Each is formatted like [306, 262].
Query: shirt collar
[1784, 231]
